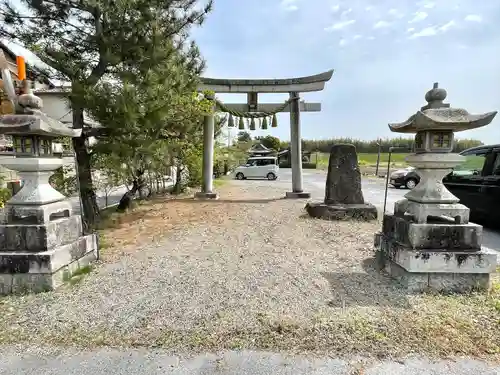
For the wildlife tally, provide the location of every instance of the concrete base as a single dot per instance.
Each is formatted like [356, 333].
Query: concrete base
[202, 195]
[437, 235]
[296, 195]
[440, 282]
[35, 238]
[438, 270]
[22, 272]
[31, 214]
[365, 211]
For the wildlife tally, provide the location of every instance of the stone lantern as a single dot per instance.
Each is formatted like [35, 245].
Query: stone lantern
[434, 126]
[428, 243]
[41, 241]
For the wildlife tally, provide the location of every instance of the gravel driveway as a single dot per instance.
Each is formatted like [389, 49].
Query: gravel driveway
[250, 271]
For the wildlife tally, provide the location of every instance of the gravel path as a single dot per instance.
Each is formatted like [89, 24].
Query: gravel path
[252, 273]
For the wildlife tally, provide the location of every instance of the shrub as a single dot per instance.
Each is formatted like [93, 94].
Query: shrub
[5, 195]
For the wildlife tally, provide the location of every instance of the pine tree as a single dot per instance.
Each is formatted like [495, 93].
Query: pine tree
[86, 41]
[149, 104]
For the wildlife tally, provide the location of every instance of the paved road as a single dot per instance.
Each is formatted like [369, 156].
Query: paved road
[142, 362]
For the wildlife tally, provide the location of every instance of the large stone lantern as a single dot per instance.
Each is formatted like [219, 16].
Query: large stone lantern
[433, 159]
[428, 243]
[41, 242]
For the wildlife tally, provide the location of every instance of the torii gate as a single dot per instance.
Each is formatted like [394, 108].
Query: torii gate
[252, 87]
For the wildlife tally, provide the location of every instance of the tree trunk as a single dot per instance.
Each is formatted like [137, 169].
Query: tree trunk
[87, 195]
[178, 179]
[140, 183]
[127, 198]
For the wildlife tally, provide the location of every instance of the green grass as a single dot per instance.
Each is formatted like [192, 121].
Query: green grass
[219, 182]
[368, 160]
[472, 163]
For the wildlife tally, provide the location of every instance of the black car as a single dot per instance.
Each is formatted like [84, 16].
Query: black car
[406, 177]
[476, 182]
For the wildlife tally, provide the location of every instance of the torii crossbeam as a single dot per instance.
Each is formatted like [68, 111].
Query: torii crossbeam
[252, 87]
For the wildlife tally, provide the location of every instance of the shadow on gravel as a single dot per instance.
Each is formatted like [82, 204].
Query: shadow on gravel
[248, 201]
[369, 288]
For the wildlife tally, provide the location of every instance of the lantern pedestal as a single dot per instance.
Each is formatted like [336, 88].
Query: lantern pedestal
[41, 242]
[428, 243]
[434, 256]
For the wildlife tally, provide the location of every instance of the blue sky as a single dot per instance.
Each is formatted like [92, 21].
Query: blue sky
[386, 55]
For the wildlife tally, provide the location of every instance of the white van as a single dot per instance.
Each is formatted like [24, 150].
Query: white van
[258, 167]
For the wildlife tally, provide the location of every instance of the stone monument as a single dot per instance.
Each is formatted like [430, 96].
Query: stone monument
[343, 195]
[41, 241]
[428, 243]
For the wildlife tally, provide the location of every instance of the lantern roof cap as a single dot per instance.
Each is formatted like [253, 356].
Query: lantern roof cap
[35, 123]
[437, 115]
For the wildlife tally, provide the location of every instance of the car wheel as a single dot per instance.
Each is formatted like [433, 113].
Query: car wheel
[239, 176]
[271, 176]
[411, 183]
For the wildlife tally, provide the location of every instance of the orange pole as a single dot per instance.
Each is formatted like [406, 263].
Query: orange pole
[21, 68]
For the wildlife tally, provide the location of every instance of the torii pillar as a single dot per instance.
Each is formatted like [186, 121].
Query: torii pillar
[292, 86]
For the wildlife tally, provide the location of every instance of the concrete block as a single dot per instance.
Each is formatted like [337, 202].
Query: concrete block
[419, 282]
[297, 195]
[202, 195]
[39, 237]
[438, 236]
[362, 211]
[38, 272]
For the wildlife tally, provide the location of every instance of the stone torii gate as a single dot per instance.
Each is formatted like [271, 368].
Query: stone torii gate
[252, 87]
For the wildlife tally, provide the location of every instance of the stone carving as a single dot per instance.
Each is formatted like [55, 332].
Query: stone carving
[343, 195]
[41, 242]
[428, 243]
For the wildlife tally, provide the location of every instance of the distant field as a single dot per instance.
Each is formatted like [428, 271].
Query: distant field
[366, 160]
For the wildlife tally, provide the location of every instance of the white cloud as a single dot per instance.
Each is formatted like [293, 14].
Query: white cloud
[473, 18]
[381, 24]
[410, 29]
[395, 13]
[368, 8]
[419, 16]
[426, 4]
[428, 31]
[447, 26]
[371, 38]
[346, 12]
[339, 25]
[289, 5]
[342, 42]
[335, 8]
[356, 37]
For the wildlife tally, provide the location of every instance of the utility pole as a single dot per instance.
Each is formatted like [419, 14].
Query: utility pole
[378, 158]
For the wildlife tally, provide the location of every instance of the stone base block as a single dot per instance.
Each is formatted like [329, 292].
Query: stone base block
[438, 270]
[435, 236]
[44, 271]
[365, 211]
[422, 211]
[440, 282]
[297, 195]
[202, 195]
[42, 214]
[40, 237]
